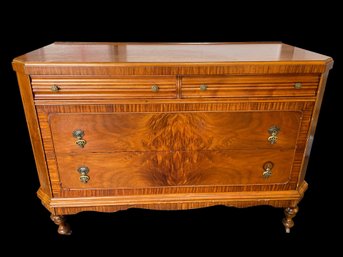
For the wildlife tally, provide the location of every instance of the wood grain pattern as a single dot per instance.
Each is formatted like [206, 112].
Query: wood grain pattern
[114, 88]
[179, 201]
[178, 147]
[173, 59]
[313, 124]
[35, 133]
[174, 131]
[159, 169]
[249, 86]
[130, 53]
[176, 69]
[305, 107]
[140, 87]
[263, 104]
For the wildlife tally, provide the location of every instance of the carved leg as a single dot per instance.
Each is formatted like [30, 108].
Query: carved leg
[63, 227]
[288, 222]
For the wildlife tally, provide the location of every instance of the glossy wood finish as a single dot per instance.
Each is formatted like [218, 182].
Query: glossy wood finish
[113, 88]
[180, 131]
[249, 86]
[166, 201]
[290, 213]
[114, 53]
[171, 126]
[179, 168]
[170, 59]
[63, 226]
[35, 135]
[254, 108]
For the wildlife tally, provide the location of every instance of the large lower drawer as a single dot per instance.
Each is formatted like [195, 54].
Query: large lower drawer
[179, 168]
[182, 131]
[103, 88]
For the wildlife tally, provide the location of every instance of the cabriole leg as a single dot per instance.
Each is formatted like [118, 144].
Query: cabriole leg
[290, 213]
[63, 226]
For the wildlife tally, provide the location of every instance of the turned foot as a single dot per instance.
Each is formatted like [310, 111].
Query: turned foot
[63, 227]
[288, 222]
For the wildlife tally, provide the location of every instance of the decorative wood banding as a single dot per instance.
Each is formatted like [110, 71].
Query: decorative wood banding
[171, 126]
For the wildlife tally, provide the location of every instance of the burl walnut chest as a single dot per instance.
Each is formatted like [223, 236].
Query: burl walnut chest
[171, 126]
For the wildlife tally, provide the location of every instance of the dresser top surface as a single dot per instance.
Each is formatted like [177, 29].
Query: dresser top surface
[126, 53]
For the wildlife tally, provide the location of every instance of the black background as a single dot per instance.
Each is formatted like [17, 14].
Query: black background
[316, 29]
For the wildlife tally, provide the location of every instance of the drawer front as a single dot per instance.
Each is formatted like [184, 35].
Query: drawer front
[249, 86]
[70, 88]
[182, 131]
[160, 169]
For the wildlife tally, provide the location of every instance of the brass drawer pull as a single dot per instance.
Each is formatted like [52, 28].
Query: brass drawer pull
[78, 134]
[154, 88]
[267, 167]
[55, 88]
[297, 85]
[273, 131]
[83, 170]
[203, 87]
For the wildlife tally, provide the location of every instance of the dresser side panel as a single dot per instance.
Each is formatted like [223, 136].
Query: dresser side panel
[313, 126]
[34, 131]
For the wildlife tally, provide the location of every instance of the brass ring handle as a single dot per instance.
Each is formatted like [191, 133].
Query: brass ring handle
[83, 170]
[203, 87]
[154, 88]
[78, 134]
[55, 88]
[267, 167]
[273, 131]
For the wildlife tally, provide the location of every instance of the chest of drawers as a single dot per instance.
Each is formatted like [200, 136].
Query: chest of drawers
[170, 126]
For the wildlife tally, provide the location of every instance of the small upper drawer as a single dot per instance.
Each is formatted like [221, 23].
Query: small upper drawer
[249, 86]
[103, 88]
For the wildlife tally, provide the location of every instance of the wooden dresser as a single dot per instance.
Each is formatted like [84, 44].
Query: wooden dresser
[171, 126]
